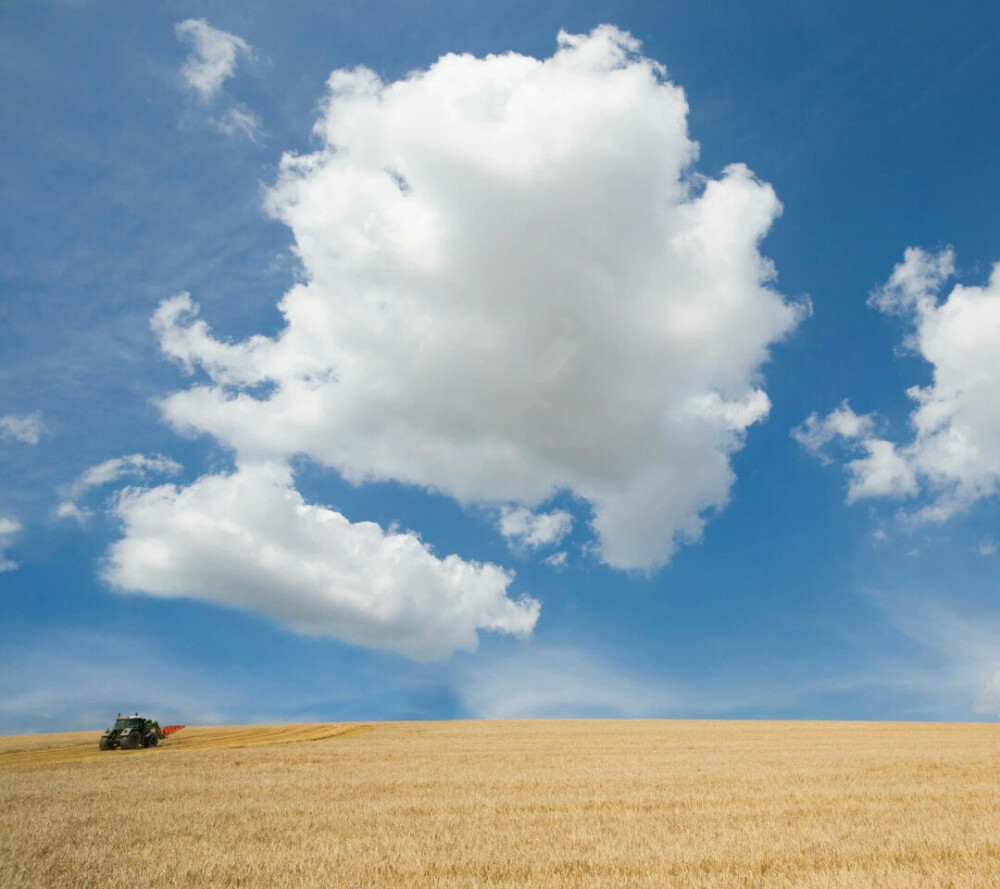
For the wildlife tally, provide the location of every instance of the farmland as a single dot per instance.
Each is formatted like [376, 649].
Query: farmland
[528, 804]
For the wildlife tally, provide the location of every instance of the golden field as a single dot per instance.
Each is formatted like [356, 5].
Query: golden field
[574, 803]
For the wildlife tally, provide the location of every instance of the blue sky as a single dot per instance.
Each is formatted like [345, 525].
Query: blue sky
[499, 396]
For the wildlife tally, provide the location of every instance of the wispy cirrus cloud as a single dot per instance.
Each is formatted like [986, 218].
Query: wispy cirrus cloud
[562, 681]
[133, 467]
[213, 57]
[574, 681]
[240, 120]
[961, 674]
[65, 681]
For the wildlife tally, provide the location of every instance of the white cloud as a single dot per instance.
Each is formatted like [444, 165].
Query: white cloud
[213, 57]
[986, 548]
[816, 432]
[954, 454]
[240, 121]
[27, 428]
[515, 284]
[914, 283]
[249, 540]
[131, 466]
[8, 528]
[67, 509]
[881, 472]
[534, 530]
[556, 560]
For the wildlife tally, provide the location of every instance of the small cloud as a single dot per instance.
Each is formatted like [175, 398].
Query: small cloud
[879, 535]
[816, 432]
[213, 57]
[131, 466]
[986, 548]
[913, 553]
[524, 528]
[880, 470]
[557, 560]
[69, 510]
[915, 282]
[28, 428]
[240, 121]
[8, 527]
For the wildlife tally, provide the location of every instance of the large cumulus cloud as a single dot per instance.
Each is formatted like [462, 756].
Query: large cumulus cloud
[515, 284]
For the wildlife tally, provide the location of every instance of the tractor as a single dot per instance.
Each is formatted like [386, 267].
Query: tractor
[130, 732]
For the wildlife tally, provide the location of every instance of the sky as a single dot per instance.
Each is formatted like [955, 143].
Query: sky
[377, 361]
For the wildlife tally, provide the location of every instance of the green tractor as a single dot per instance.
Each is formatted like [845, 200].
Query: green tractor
[130, 732]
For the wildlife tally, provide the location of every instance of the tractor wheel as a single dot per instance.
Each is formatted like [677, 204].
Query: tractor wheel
[152, 740]
[104, 744]
[129, 741]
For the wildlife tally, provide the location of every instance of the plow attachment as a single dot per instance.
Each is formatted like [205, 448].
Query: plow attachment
[170, 729]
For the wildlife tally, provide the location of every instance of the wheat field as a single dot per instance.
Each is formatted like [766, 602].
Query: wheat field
[543, 804]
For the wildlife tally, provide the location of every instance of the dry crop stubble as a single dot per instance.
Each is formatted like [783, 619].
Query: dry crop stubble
[539, 804]
[79, 746]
